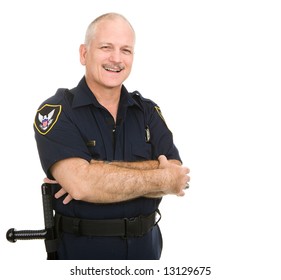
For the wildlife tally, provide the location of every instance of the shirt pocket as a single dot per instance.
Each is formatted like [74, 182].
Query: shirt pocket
[96, 150]
[141, 150]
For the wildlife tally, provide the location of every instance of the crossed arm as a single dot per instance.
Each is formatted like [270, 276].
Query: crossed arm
[101, 182]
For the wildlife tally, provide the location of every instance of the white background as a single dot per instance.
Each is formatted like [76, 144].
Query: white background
[214, 69]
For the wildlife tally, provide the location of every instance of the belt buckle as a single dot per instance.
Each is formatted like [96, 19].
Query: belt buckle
[133, 227]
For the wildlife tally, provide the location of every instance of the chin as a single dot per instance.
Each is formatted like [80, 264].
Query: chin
[114, 83]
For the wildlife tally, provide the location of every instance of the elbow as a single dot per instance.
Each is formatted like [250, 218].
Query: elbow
[72, 175]
[77, 179]
[83, 189]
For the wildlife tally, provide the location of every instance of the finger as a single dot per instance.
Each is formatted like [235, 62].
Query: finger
[67, 199]
[186, 169]
[181, 193]
[49, 181]
[162, 157]
[60, 193]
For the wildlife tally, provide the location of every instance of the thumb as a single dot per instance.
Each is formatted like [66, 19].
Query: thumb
[162, 160]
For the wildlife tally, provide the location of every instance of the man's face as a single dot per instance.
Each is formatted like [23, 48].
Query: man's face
[109, 56]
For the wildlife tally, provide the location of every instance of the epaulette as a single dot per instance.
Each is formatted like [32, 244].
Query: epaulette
[147, 103]
[65, 92]
[137, 95]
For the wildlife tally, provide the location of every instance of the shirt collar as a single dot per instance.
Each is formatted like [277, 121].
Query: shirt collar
[84, 96]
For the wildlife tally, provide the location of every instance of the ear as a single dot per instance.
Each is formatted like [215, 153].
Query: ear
[83, 54]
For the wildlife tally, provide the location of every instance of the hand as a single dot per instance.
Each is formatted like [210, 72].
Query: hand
[60, 193]
[175, 176]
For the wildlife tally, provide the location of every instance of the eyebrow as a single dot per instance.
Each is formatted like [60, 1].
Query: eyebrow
[110, 44]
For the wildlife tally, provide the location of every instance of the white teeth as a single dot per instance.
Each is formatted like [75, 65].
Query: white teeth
[112, 69]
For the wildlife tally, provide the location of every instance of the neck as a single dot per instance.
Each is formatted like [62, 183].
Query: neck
[107, 97]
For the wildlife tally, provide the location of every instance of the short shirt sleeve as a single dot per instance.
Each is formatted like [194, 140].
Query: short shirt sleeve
[57, 136]
[160, 136]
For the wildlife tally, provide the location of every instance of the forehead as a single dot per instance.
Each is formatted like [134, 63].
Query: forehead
[114, 31]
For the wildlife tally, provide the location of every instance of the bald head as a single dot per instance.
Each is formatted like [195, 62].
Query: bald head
[93, 26]
[108, 52]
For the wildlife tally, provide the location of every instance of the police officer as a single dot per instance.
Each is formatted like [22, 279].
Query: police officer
[111, 153]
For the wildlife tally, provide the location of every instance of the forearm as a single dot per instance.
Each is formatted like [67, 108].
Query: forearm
[140, 165]
[104, 183]
[154, 195]
[100, 182]
[120, 183]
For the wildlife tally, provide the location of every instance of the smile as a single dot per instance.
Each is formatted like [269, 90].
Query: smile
[115, 69]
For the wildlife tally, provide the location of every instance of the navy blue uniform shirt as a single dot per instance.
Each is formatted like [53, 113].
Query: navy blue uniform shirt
[73, 124]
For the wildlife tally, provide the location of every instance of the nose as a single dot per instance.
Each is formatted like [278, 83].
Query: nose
[115, 56]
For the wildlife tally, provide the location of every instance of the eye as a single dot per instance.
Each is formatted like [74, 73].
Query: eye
[127, 51]
[105, 48]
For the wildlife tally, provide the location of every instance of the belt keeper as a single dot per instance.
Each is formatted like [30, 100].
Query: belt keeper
[76, 226]
[125, 236]
[134, 222]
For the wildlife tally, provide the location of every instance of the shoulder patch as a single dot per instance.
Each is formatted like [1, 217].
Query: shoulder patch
[159, 113]
[46, 117]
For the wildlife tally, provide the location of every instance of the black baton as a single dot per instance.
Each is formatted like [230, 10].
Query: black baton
[48, 233]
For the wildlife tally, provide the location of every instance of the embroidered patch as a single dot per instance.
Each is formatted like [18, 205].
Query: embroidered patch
[159, 113]
[46, 118]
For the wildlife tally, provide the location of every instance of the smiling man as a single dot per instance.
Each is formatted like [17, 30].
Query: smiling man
[110, 153]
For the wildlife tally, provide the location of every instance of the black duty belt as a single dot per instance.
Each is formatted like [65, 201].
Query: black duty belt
[127, 227]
